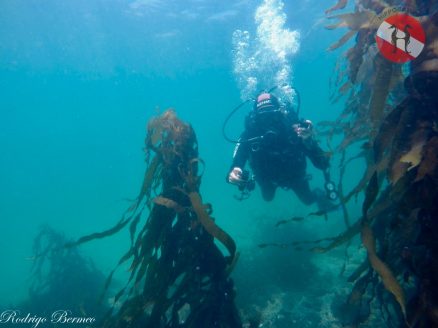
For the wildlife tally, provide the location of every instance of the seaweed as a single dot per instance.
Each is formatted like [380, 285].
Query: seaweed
[339, 5]
[178, 276]
[210, 226]
[62, 278]
[399, 128]
[398, 132]
[428, 165]
[388, 278]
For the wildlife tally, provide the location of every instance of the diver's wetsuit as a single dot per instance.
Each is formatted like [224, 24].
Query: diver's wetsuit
[277, 155]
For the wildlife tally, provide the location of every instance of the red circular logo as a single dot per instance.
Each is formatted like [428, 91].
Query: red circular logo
[400, 38]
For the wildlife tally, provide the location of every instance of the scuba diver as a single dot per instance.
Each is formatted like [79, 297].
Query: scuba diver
[276, 143]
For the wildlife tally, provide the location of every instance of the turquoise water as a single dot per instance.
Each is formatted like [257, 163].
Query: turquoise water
[79, 80]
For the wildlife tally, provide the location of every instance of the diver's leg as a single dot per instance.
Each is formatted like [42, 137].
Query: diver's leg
[302, 190]
[267, 188]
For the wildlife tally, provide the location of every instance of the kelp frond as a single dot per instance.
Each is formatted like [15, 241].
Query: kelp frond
[177, 273]
[389, 281]
[339, 5]
[399, 128]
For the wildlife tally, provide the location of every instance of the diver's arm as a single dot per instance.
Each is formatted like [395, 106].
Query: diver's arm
[240, 156]
[241, 153]
[319, 158]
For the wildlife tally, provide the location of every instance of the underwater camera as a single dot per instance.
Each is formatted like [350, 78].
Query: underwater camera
[246, 185]
[248, 182]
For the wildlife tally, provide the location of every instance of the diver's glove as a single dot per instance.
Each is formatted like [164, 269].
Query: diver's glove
[242, 178]
[304, 130]
[236, 176]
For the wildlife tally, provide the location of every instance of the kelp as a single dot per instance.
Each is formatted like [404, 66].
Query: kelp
[341, 239]
[295, 244]
[400, 127]
[407, 144]
[384, 71]
[169, 203]
[99, 235]
[369, 78]
[178, 276]
[428, 166]
[356, 303]
[333, 242]
[389, 281]
[358, 271]
[370, 196]
[384, 204]
[62, 278]
[339, 5]
[209, 225]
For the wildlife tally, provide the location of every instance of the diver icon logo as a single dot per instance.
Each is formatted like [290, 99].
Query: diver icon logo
[406, 37]
[400, 38]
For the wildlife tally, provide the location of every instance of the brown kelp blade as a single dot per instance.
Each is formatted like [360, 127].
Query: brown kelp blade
[389, 281]
[429, 163]
[341, 4]
[209, 224]
[354, 21]
[370, 194]
[169, 203]
[99, 235]
[381, 88]
[150, 175]
[344, 237]
[343, 40]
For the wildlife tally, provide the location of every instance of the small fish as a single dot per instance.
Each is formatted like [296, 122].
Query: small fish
[318, 213]
[318, 250]
[279, 223]
[295, 218]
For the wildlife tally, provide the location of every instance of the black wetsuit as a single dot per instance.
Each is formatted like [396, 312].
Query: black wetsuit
[277, 155]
